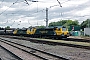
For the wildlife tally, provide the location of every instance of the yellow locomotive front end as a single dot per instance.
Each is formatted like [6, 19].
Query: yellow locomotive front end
[31, 31]
[62, 32]
[65, 32]
[15, 31]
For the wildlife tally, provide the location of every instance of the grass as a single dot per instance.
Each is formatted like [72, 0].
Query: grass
[67, 42]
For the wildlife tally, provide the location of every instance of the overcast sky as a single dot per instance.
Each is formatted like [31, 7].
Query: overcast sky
[19, 13]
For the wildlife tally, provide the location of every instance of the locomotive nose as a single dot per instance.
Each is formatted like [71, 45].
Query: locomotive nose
[66, 33]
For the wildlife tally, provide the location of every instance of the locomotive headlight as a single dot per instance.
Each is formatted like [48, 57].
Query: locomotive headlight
[68, 34]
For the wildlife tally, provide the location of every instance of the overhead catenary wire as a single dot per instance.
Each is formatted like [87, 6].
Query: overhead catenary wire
[38, 11]
[26, 8]
[27, 2]
[2, 2]
[34, 12]
[12, 13]
[55, 5]
[16, 11]
[59, 3]
[75, 8]
[29, 23]
[49, 7]
[8, 7]
[12, 23]
[43, 9]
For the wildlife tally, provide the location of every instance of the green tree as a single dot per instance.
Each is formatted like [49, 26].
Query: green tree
[8, 27]
[41, 26]
[38, 27]
[65, 23]
[85, 24]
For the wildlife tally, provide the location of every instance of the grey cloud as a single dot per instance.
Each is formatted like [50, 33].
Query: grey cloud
[23, 9]
[67, 11]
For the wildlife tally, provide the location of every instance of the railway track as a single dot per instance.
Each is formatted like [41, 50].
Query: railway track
[35, 52]
[18, 58]
[65, 42]
[82, 45]
[77, 40]
[65, 39]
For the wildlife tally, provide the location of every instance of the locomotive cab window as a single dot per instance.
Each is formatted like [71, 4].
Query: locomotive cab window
[63, 29]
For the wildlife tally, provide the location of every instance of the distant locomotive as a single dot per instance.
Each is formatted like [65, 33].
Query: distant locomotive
[9, 31]
[20, 32]
[54, 32]
[4, 31]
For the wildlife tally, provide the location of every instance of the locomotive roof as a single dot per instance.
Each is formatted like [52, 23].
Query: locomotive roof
[57, 26]
[46, 28]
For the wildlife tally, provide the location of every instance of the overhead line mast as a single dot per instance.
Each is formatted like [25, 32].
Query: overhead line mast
[47, 14]
[46, 17]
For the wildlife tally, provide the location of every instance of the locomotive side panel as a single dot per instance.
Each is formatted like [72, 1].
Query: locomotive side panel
[44, 32]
